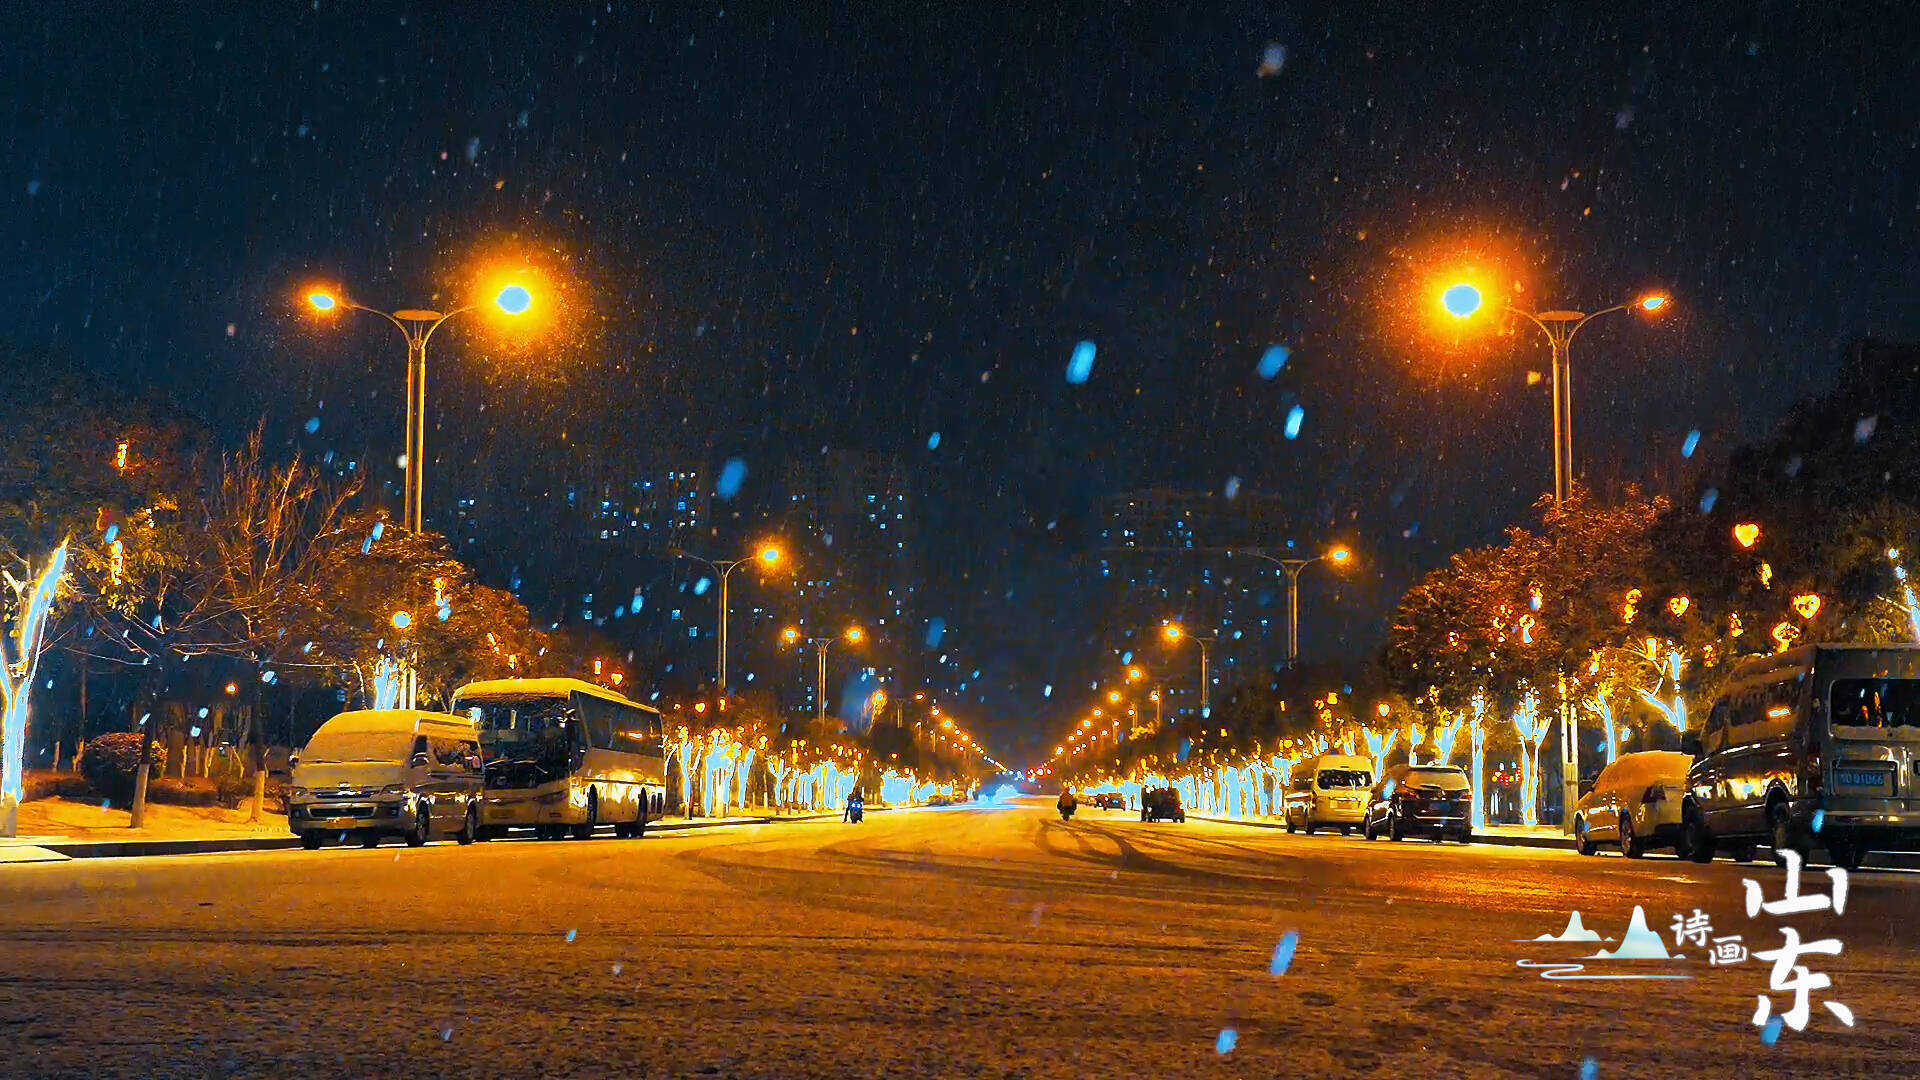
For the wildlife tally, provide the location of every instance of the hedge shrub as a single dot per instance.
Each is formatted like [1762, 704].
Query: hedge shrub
[111, 761]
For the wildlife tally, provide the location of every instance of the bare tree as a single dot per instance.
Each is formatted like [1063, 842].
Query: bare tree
[269, 531]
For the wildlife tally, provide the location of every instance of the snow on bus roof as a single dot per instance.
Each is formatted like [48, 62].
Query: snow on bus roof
[520, 688]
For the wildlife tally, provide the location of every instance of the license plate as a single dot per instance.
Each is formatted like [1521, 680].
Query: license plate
[1861, 778]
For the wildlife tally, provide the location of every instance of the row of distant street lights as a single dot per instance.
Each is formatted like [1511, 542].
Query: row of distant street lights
[1174, 633]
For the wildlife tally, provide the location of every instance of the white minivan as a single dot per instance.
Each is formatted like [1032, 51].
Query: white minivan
[374, 773]
[1331, 789]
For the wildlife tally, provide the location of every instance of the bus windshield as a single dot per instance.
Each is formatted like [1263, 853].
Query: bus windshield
[527, 741]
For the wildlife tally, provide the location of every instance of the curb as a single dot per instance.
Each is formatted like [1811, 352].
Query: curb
[1491, 839]
[122, 849]
[1879, 860]
[714, 823]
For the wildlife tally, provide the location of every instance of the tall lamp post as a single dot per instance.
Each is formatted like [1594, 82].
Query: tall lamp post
[1175, 633]
[1463, 302]
[768, 556]
[853, 636]
[1337, 555]
[417, 326]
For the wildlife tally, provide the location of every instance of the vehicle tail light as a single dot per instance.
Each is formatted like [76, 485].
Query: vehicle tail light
[1654, 793]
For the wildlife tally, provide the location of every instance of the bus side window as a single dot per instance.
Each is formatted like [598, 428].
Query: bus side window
[600, 717]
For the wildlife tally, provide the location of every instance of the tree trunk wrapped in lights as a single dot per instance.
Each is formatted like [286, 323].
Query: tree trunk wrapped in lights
[1602, 708]
[1533, 731]
[1443, 738]
[1379, 745]
[19, 661]
[1477, 730]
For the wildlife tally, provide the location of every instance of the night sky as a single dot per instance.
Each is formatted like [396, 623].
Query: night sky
[780, 231]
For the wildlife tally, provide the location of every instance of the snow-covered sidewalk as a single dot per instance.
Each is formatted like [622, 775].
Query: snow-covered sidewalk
[67, 821]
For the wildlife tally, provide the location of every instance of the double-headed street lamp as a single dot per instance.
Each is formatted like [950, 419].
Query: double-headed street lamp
[853, 636]
[1175, 633]
[1339, 556]
[768, 557]
[1463, 302]
[416, 326]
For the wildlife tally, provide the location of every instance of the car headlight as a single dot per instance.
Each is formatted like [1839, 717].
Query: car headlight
[298, 793]
[394, 789]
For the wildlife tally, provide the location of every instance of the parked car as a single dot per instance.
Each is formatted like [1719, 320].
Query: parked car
[939, 800]
[1436, 800]
[1161, 804]
[1110, 800]
[1635, 803]
[1818, 743]
[376, 773]
[1328, 790]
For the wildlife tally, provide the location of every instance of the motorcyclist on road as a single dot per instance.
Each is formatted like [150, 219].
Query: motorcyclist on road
[856, 806]
[1067, 803]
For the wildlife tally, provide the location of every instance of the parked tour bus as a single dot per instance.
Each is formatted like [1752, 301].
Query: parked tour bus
[565, 756]
[1815, 746]
[374, 773]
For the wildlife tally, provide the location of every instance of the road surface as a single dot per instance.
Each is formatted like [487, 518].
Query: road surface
[964, 942]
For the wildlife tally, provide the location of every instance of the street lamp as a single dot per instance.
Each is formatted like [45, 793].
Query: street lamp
[768, 556]
[1463, 301]
[416, 326]
[1175, 633]
[1339, 556]
[853, 636]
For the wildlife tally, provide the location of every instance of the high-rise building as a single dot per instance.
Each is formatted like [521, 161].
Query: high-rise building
[853, 519]
[1164, 556]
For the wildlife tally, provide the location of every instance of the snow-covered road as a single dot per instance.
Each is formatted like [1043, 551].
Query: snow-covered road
[965, 942]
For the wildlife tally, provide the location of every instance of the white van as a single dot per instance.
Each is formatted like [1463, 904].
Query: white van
[387, 772]
[1331, 789]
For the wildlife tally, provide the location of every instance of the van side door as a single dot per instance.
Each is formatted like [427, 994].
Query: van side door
[1707, 777]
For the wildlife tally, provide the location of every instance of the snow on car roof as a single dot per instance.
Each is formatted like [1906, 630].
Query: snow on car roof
[1649, 766]
[357, 720]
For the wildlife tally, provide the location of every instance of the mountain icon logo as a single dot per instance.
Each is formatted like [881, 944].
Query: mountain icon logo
[1575, 931]
[1639, 944]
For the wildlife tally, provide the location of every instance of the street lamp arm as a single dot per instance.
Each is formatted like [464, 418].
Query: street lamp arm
[1255, 553]
[441, 321]
[695, 558]
[1535, 320]
[1587, 319]
[397, 324]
